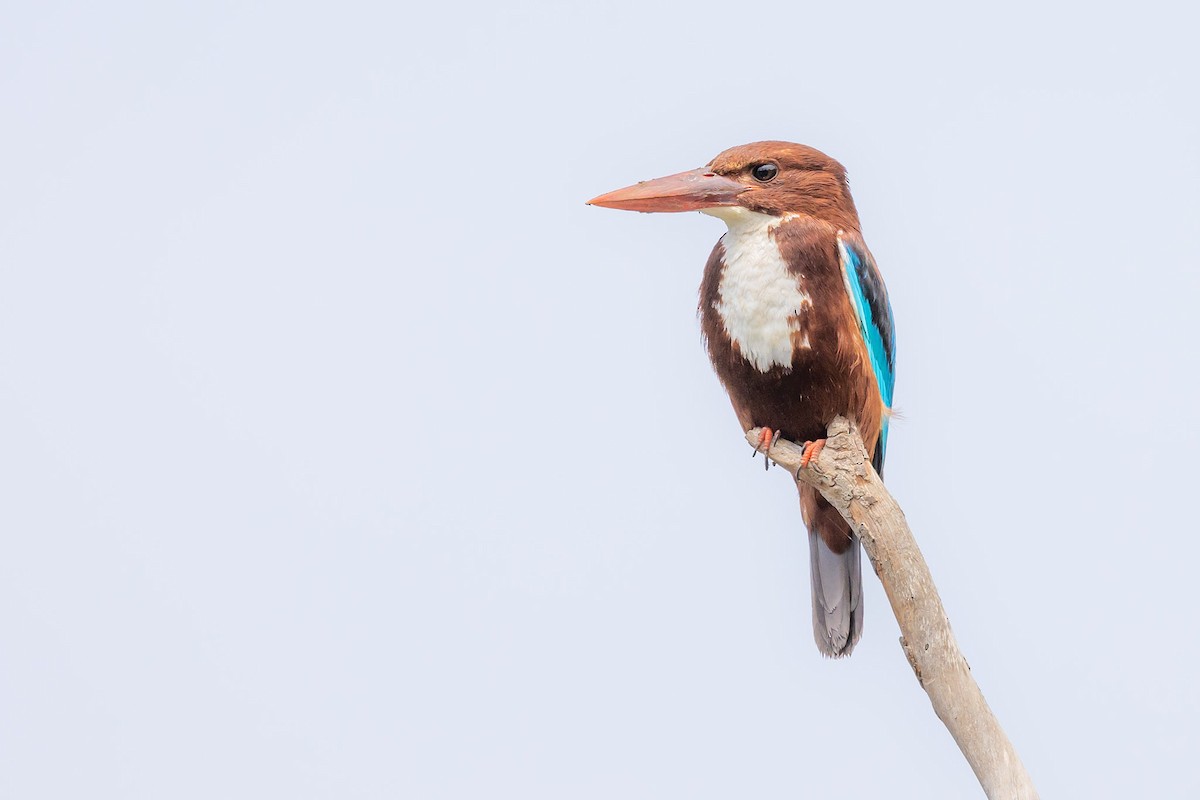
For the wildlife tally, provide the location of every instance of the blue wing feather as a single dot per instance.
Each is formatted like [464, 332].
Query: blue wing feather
[868, 296]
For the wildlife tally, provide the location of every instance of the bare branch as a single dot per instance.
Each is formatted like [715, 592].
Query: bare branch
[843, 474]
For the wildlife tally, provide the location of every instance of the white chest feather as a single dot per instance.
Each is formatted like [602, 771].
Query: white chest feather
[759, 301]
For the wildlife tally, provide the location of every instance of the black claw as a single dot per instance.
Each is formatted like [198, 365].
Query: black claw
[799, 469]
[774, 440]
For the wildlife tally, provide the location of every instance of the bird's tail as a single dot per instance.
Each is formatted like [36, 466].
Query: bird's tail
[836, 576]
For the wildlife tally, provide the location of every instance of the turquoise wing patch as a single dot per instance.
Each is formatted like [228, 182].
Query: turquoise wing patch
[868, 296]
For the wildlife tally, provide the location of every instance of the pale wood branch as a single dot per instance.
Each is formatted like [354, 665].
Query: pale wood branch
[844, 475]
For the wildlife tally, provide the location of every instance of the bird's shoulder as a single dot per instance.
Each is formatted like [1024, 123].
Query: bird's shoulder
[809, 246]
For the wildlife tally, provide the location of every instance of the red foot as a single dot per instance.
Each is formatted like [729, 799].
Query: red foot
[811, 451]
[766, 440]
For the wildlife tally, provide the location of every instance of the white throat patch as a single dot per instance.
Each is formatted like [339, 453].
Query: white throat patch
[760, 301]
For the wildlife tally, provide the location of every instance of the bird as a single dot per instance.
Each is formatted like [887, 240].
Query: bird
[797, 323]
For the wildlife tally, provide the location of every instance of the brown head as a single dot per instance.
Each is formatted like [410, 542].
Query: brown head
[773, 178]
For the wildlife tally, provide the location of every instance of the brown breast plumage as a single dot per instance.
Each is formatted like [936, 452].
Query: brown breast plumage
[826, 371]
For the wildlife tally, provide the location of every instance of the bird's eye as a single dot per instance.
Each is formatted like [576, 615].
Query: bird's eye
[763, 173]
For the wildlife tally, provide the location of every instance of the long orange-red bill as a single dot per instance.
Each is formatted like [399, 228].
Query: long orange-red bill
[686, 191]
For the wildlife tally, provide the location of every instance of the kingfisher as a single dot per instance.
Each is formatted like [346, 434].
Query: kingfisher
[797, 323]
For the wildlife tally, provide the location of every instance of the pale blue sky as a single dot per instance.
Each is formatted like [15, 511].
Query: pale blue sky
[300, 303]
